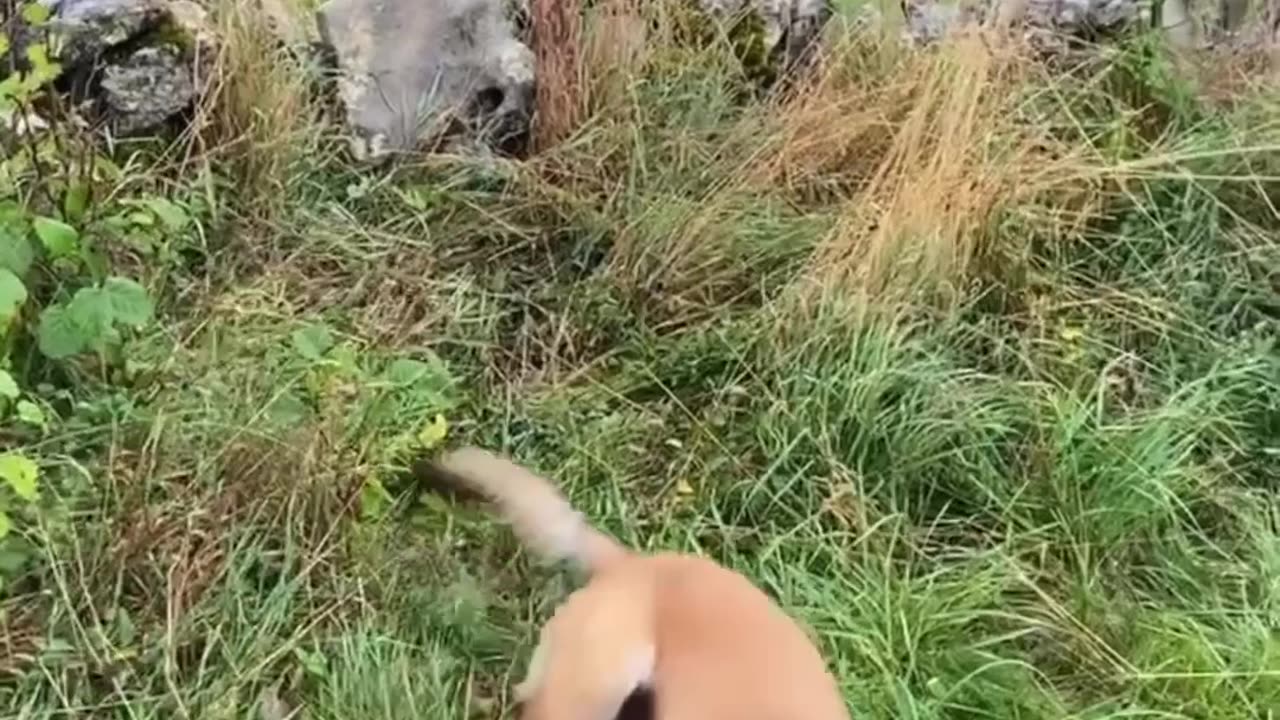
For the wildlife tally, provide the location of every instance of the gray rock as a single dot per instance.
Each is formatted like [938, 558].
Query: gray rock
[413, 72]
[84, 29]
[1053, 25]
[803, 30]
[1081, 17]
[791, 27]
[1046, 22]
[123, 56]
[200, 50]
[927, 21]
[145, 89]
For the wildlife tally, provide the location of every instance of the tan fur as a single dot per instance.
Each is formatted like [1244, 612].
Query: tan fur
[710, 644]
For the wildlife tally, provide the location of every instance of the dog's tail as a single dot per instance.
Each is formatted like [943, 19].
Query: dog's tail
[539, 513]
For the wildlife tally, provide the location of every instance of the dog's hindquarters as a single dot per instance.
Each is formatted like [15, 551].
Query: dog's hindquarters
[704, 641]
[596, 652]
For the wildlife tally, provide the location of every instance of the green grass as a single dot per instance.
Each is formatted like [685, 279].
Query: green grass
[996, 413]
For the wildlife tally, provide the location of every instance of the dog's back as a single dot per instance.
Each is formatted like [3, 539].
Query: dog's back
[709, 644]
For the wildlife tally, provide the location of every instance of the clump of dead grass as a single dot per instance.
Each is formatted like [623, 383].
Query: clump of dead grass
[829, 132]
[260, 113]
[615, 37]
[170, 552]
[953, 149]
[916, 155]
[557, 39]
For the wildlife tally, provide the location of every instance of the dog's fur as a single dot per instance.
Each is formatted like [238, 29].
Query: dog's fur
[698, 641]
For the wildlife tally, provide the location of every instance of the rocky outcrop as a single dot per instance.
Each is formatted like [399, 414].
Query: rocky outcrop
[1045, 20]
[1056, 25]
[146, 88]
[134, 61]
[412, 72]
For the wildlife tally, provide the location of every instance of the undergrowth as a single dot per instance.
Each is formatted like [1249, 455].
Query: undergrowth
[968, 360]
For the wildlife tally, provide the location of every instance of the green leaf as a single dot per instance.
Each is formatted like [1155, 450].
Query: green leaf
[59, 336]
[12, 295]
[59, 239]
[16, 253]
[129, 302]
[404, 371]
[76, 202]
[6, 525]
[34, 13]
[10, 89]
[374, 499]
[313, 662]
[126, 630]
[312, 341]
[43, 70]
[345, 357]
[12, 558]
[173, 215]
[4, 44]
[407, 371]
[31, 414]
[21, 474]
[433, 433]
[29, 85]
[92, 310]
[430, 379]
[8, 386]
[287, 410]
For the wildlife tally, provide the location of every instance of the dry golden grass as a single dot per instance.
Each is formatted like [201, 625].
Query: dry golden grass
[557, 51]
[615, 37]
[261, 106]
[836, 125]
[957, 152]
[915, 153]
[934, 166]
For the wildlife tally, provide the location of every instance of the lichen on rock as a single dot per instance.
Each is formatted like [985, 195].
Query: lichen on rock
[135, 61]
[145, 89]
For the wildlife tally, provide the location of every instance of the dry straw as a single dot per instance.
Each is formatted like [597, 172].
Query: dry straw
[557, 39]
[951, 146]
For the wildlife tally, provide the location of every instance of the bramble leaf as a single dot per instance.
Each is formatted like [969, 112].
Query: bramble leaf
[34, 13]
[31, 414]
[59, 335]
[59, 239]
[21, 474]
[312, 341]
[8, 386]
[12, 295]
[129, 302]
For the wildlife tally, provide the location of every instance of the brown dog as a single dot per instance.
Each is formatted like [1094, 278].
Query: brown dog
[695, 640]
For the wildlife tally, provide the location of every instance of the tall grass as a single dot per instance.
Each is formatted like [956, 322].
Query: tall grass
[260, 115]
[972, 365]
